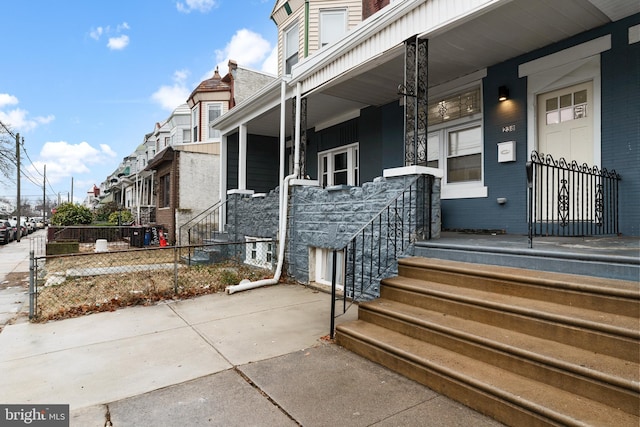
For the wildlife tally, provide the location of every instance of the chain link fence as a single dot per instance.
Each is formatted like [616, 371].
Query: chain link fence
[81, 283]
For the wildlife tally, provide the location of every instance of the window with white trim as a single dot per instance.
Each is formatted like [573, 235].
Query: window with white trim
[259, 252]
[339, 166]
[194, 122]
[291, 48]
[214, 111]
[333, 25]
[323, 267]
[186, 135]
[455, 143]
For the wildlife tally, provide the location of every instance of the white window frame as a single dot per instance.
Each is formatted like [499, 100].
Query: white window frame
[213, 134]
[459, 190]
[353, 164]
[329, 35]
[195, 121]
[287, 53]
[321, 260]
[259, 252]
[186, 135]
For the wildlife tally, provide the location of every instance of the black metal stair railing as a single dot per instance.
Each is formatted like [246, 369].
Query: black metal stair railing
[203, 228]
[375, 248]
[569, 199]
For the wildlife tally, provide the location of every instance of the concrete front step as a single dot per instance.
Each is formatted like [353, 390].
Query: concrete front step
[508, 397]
[567, 346]
[604, 333]
[602, 294]
[606, 379]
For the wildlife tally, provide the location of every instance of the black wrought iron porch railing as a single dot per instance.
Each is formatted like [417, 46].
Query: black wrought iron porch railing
[203, 228]
[373, 251]
[569, 199]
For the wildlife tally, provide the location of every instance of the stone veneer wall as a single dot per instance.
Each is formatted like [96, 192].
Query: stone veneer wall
[319, 217]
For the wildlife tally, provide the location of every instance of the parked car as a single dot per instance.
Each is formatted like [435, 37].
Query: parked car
[7, 231]
[40, 223]
[23, 227]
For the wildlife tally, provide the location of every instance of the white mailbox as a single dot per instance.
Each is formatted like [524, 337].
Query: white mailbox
[506, 151]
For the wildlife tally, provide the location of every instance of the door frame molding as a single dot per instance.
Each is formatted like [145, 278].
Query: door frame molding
[567, 67]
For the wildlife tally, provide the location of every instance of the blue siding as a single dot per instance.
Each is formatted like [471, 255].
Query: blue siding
[620, 72]
[621, 121]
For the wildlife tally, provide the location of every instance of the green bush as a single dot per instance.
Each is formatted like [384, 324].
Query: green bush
[120, 217]
[71, 214]
[103, 211]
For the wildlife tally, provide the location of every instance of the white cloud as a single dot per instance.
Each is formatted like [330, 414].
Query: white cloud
[117, 40]
[270, 65]
[171, 96]
[118, 43]
[6, 99]
[65, 160]
[202, 6]
[18, 119]
[96, 33]
[247, 48]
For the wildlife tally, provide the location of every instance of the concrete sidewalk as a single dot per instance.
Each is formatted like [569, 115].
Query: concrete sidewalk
[252, 358]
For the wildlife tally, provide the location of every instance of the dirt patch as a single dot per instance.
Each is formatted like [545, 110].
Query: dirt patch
[72, 296]
[15, 279]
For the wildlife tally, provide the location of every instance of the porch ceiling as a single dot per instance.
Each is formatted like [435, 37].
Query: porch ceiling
[512, 29]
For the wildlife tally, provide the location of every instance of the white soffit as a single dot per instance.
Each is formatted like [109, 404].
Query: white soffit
[617, 9]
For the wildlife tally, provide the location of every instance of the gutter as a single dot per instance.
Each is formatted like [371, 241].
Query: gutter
[283, 195]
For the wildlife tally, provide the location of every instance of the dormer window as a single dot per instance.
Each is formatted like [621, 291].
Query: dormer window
[291, 47]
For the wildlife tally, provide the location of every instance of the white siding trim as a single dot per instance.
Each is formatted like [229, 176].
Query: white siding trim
[566, 56]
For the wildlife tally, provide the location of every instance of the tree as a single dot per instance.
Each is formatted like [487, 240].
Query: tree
[71, 214]
[7, 151]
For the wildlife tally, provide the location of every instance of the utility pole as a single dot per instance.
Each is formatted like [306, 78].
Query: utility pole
[71, 189]
[19, 216]
[44, 195]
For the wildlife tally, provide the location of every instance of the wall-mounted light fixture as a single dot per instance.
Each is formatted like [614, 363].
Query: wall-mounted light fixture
[503, 93]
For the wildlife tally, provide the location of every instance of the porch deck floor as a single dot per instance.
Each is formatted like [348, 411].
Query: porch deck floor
[588, 246]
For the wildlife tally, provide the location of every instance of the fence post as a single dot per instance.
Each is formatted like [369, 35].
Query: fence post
[529, 166]
[175, 269]
[32, 285]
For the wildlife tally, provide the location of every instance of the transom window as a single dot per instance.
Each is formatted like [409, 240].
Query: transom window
[291, 47]
[454, 107]
[339, 166]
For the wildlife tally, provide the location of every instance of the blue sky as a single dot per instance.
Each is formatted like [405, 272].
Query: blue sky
[84, 81]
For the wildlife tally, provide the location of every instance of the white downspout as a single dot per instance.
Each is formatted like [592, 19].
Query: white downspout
[283, 195]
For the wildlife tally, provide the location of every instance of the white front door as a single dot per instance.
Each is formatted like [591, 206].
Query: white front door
[565, 123]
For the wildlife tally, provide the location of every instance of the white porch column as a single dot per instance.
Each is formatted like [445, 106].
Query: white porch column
[242, 157]
[224, 149]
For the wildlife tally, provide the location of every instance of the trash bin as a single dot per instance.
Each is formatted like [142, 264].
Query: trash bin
[147, 237]
[137, 237]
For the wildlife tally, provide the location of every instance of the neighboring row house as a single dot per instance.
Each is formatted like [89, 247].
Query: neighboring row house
[181, 152]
